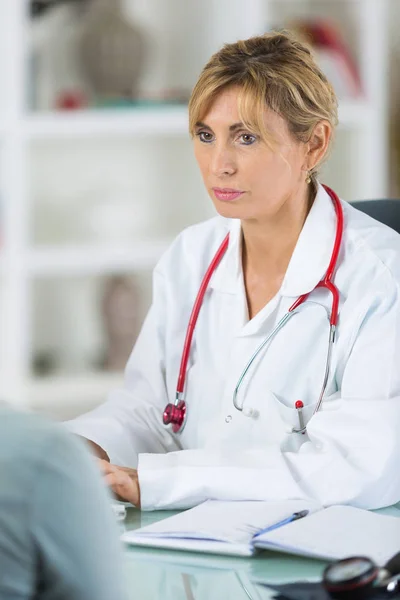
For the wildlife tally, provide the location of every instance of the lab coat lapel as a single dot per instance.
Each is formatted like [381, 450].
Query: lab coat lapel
[307, 266]
[227, 281]
[313, 250]
[226, 278]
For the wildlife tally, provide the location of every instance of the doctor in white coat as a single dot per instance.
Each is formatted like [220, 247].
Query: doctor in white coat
[262, 116]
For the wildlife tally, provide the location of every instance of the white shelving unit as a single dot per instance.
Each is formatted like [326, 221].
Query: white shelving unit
[94, 260]
[69, 392]
[166, 121]
[23, 263]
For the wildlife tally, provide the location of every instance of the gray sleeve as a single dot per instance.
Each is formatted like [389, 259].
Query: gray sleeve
[73, 528]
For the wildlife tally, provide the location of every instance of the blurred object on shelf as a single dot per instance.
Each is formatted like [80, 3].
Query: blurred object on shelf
[54, 63]
[120, 320]
[67, 325]
[71, 100]
[90, 53]
[164, 97]
[112, 51]
[40, 7]
[333, 55]
[44, 363]
[114, 217]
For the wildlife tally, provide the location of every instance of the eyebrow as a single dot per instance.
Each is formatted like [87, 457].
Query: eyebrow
[233, 127]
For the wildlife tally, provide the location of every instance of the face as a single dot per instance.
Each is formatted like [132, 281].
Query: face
[244, 177]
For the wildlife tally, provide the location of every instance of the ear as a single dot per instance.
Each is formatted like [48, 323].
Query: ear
[318, 144]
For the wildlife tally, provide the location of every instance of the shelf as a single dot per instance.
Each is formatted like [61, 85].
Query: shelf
[49, 261]
[65, 397]
[164, 120]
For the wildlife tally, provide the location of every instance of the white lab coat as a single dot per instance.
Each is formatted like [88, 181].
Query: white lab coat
[351, 451]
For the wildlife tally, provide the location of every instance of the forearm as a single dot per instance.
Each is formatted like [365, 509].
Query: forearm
[350, 459]
[123, 427]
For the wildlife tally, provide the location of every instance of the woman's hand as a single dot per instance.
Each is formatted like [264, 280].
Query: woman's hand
[123, 481]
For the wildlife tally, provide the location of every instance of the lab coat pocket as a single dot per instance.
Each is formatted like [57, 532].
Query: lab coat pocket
[290, 416]
[284, 420]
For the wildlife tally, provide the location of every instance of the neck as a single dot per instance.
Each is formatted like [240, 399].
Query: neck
[268, 245]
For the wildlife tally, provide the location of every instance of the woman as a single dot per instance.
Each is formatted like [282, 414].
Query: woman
[262, 116]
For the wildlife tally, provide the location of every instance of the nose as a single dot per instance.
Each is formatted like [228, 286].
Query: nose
[223, 162]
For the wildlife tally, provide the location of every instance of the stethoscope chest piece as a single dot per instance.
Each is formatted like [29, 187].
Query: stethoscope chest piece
[175, 415]
[358, 577]
[350, 578]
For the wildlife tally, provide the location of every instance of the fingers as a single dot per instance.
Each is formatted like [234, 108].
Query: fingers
[122, 480]
[107, 467]
[118, 481]
[123, 485]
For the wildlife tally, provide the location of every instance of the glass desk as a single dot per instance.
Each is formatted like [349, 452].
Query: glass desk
[154, 574]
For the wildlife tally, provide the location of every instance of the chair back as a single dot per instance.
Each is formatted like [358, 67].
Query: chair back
[386, 211]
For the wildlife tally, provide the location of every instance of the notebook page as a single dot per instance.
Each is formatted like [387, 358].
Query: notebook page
[230, 522]
[338, 532]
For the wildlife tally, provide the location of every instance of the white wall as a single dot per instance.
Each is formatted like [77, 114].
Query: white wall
[394, 95]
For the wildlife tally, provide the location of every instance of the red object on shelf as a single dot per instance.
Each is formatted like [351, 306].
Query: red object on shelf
[327, 35]
[337, 61]
[71, 100]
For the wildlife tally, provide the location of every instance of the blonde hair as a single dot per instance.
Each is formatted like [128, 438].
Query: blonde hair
[274, 70]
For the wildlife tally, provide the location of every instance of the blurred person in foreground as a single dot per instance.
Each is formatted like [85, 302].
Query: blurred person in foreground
[58, 536]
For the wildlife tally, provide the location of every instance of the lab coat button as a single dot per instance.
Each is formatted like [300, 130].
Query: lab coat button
[228, 418]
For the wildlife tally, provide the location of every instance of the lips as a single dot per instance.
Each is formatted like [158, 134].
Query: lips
[227, 194]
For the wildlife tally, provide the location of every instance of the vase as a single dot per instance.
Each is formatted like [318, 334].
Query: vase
[112, 51]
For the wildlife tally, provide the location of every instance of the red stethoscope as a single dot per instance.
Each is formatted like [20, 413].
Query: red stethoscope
[175, 413]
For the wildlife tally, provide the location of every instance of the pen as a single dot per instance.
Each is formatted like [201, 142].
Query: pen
[294, 517]
[299, 407]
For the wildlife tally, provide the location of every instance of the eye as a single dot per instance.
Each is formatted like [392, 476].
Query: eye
[205, 136]
[247, 139]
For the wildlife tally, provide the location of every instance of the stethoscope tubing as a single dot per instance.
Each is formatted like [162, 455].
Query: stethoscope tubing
[279, 326]
[326, 282]
[194, 315]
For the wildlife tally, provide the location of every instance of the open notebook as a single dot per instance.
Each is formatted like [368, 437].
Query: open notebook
[234, 528]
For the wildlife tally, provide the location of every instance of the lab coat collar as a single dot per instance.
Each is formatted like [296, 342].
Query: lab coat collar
[228, 276]
[313, 251]
[309, 261]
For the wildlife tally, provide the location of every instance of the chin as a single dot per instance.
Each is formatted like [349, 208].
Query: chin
[230, 211]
